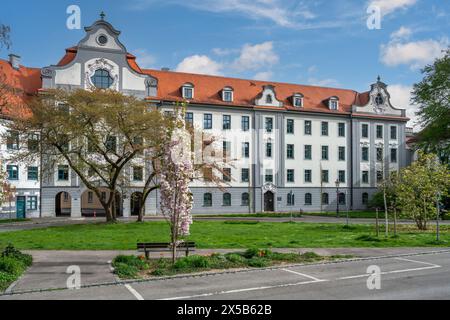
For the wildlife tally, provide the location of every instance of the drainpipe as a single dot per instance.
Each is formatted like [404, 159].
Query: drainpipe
[351, 162]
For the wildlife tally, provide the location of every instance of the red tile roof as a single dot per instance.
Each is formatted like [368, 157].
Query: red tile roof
[23, 83]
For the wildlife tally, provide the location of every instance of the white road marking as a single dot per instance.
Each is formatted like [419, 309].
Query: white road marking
[419, 262]
[134, 292]
[430, 266]
[304, 275]
[243, 290]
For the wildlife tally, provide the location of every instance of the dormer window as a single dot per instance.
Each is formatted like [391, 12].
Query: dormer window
[227, 94]
[333, 103]
[297, 100]
[379, 100]
[102, 79]
[188, 91]
[269, 99]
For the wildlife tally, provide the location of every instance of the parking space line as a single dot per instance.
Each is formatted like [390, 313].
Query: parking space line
[303, 275]
[419, 262]
[134, 292]
[243, 290]
[391, 272]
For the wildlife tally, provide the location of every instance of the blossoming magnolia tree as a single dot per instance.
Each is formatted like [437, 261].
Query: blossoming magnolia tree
[177, 171]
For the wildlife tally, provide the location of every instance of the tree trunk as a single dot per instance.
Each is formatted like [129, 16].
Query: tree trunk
[386, 218]
[376, 223]
[395, 222]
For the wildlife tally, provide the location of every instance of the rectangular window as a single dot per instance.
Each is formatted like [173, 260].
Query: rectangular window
[379, 176]
[308, 127]
[365, 177]
[32, 203]
[188, 93]
[365, 130]
[12, 140]
[226, 149]
[290, 126]
[207, 174]
[298, 102]
[290, 175]
[324, 152]
[269, 149]
[33, 142]
[189, 119]
[394, 155]
[226, 122]
[245, 123]
[379, 132]
[227, 96]
[245, 175]
[138, 173]
[342, 176]
[290, 151]
[63, 173]
[379, 154]
[110, 144]
[246, 150]
[341, 156]
[308, 152]
[226, 175]
[365, 154]
[33, 173]
[13, 172]
[269, 176]
[341, 129]
[393, 133]
[325, 176]
[269, 124]
[308, 176]
[325, 128]
[207, 121]
[90, 197]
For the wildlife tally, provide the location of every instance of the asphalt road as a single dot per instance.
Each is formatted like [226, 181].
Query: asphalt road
[420, 276]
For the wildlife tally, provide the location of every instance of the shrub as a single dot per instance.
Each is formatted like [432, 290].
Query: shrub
[5, 280]
[125, 271]
[158, 272]
[11, 266]
[192, 262]
[13, 253]
[235, 258]
[310, 256]
[131, 261]
[258, 262]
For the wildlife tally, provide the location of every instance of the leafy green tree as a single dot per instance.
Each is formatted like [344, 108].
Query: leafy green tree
[418, 187]
[97, 134]
[432, 95]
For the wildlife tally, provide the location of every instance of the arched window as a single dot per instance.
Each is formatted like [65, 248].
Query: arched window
[102, 79]
[245, 199]
[207, 200]
[308, 199]
[379, 100]
[325, 198]
[290, 199]
[342, 199]
[365, 198]
[226, 199]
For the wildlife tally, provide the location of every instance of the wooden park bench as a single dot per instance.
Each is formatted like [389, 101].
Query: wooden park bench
[187, 247]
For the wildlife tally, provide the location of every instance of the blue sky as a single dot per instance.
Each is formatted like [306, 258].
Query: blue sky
[317, 42]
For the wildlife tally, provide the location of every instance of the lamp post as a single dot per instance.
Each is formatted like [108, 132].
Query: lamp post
[337, 197]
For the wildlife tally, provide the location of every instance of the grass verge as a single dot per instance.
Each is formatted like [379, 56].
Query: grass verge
[12, 264]
[132, 267]
[5, 221]
[221, 235]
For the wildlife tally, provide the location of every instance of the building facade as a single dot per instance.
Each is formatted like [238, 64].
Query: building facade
[293, 147]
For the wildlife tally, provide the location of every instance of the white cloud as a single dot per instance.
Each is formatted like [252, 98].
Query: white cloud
[200, 64]
[402, 33]
[401, 99]
[323, 82]
[224, 52]
[415, 54]
[144, 59]
[390, 6]
[263, 76]
[256, 56]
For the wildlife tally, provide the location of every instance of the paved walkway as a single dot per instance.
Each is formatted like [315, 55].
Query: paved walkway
[49, 270]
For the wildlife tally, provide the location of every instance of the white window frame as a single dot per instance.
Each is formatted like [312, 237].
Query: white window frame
[190, 87]
[227, 90]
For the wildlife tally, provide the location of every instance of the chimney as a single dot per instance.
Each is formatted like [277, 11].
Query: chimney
[165, 69]
[14, 60]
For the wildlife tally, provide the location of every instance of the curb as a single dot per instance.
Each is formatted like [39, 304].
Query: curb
[235, 271]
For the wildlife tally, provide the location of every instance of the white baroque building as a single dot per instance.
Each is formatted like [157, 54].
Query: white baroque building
[290, 143]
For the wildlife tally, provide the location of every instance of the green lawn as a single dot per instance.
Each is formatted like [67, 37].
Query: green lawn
[352, 215]
[218, 234]
[4, 221]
